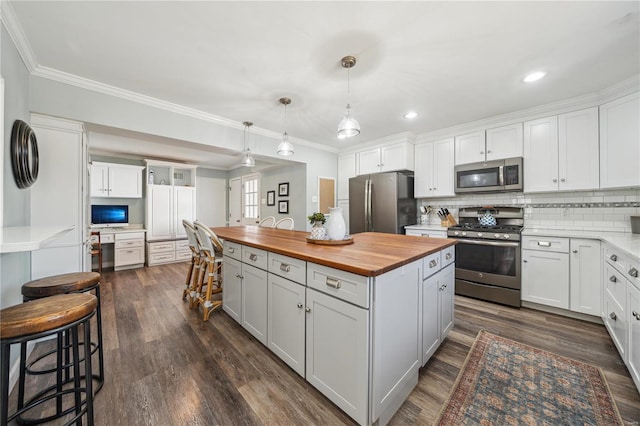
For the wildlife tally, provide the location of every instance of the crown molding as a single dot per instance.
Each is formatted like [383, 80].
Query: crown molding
[387, 140]
[11, 23]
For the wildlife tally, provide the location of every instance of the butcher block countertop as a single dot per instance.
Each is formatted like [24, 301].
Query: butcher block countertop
[371, 253]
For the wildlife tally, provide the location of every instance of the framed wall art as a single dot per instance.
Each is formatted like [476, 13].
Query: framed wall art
[271, 198]
[283, 206]
[283, 189]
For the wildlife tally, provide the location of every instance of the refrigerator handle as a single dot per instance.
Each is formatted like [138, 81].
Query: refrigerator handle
[367, 208]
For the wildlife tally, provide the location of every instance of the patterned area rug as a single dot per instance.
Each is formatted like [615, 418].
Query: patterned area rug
[503, 382]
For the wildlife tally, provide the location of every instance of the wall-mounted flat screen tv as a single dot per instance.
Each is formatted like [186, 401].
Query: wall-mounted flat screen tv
[104, 215]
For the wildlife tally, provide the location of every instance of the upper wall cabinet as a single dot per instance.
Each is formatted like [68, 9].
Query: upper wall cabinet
[385, 159]
[619, 142]
[434, 169]
[500, 142]
[115, 180]
[346, 170]
[561, 152]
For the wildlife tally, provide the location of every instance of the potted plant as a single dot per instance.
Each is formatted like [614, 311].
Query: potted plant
[317, 219]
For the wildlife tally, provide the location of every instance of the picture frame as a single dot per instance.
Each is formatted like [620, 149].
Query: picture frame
[271, 198]
[283, 189]
[283, 206]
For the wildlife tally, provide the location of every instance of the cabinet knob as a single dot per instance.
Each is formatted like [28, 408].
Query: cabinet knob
[239, 276]
[481, 152]
[563, 180]
[435, 189]
[636, 315]
[613, 257]
[613, 278]
[299, 305]
[555, 180]
[575, 251]
[525, 261]
[433, 263]
[253, 257]
[613, 316]
[488, 151]
[307, 309]
[447, 256]
[633, 272]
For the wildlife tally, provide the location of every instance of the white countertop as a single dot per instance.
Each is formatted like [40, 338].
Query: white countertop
[427, 226]
[27, 238]
[628, 242]
[118, 229]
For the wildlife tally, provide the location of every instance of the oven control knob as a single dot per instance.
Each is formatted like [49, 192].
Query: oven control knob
[479, 234]
[496, 235]
[456, 233]
[464, 234]
[506, 236]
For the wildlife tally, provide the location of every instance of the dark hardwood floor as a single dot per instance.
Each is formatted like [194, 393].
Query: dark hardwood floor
[164, 366]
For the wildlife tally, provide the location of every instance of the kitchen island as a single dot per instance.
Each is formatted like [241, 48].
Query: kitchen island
[356, 321]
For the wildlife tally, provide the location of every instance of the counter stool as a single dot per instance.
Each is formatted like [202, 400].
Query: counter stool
[55, 315]
[211, 269]
[75, 282]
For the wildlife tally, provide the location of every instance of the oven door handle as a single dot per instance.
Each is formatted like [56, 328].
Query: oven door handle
[488, 243]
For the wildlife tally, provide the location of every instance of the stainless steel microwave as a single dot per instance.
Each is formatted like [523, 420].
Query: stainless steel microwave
[489, 176]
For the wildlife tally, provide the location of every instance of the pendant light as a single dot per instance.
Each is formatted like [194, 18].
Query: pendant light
[247, 159]
[348, 126]
[285, 148]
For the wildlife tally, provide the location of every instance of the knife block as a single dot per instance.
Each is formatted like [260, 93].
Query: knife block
[449, 221]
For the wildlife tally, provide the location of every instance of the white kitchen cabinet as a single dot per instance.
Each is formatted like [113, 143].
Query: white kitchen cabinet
[184, 207]
[346, 170]
[232, 287]
[128, 250]
[392, 157]
[633, 363]
[619, 147]
[585, 276]
[561, 152]
[494, 144]
[166, 207]
[434, 163]
[426, 232]
[254, 301]
[545, 271]
[286, 321]
[437, 309]
[159, 252]
[470, 148]
[337, 352]
[115, 180]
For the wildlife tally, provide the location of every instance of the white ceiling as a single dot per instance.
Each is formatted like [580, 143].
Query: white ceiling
[452, 62]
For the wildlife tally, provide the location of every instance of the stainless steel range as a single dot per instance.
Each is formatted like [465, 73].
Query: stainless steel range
[488, 253]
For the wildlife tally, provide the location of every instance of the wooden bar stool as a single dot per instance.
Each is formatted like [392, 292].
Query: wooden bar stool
[197, 262]
[75, 282]
[211, 269]
[55, 315]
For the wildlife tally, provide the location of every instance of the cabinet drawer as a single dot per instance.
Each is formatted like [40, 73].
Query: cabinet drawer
[107, 238]
[161, 257]
[161, 247]
[615, 285]
[129, 256]
[431, 264]
[182, 245]
[350, 287]
[560, 245]
[616, 322]
[130, 236]
[128, 243]
[183, 254]
[288, 267]
[615, 258]
[254, 257]
[448, 255]
[233, 250]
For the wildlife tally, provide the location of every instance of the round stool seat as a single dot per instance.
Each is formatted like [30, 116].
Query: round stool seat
[59, 284]
[45, 314]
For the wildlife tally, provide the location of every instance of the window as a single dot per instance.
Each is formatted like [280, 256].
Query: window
[251, 199]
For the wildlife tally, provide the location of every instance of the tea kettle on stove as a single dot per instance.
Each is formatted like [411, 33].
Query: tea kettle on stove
[487, 218]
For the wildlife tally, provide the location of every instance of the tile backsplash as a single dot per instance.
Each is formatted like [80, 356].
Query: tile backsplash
[606, 210]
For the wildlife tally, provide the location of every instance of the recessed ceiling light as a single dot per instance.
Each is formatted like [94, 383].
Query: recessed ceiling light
[534, 76]
[410, 114]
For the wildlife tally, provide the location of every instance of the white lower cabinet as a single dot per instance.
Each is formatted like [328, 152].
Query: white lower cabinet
[437, 309]
[254, 306]
[585, 276]
[232, 287]
[634, 333]
[128, 250]
[286, 321]
[337, 352]
[545, 278]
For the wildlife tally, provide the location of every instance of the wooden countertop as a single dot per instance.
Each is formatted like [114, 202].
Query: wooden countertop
[371, 253]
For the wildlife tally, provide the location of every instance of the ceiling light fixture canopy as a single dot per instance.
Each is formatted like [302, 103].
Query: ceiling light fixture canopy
[348, 126]
[285, 148]
[247, 159]
[534, 76]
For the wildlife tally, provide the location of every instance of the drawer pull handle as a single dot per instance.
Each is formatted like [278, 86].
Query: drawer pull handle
[129, 251]
[332, 282]
[253, 257]
[433, 263]
[544, 243]
[613, 278]
[636, 315]
[613, 257]
[231, 250]
[307, 309]
[447, 256]
[613, 316]
[575, 251]
[633, 272]
[299, 305]
[239, 276]
[285, 268]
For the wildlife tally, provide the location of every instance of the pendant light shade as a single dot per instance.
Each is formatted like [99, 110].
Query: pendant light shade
[247, 158]
[285, 148]
[348, 126]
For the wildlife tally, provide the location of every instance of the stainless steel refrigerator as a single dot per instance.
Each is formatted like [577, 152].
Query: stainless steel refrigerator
[381, 202]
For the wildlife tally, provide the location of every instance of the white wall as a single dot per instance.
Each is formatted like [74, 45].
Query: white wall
[211, 200]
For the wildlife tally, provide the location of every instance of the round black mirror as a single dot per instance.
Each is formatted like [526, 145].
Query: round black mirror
[24, 154]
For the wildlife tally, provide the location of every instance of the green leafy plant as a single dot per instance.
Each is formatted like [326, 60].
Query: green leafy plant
[317, 217]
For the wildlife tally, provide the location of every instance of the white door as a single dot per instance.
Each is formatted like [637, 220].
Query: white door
[125, 182]
[184, 205]
[232, 294]
[235, 202]
[470, 148]
[578, 150]
[585, 287]
[251, 199]
[159, 212]
[254, 302]
[99, 180]
[211, 201]
[545, 278]
[443, 164]
[541, 155]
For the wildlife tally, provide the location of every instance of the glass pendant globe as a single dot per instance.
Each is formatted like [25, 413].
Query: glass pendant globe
[348, 126]
[248, 160]
[285, 148]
